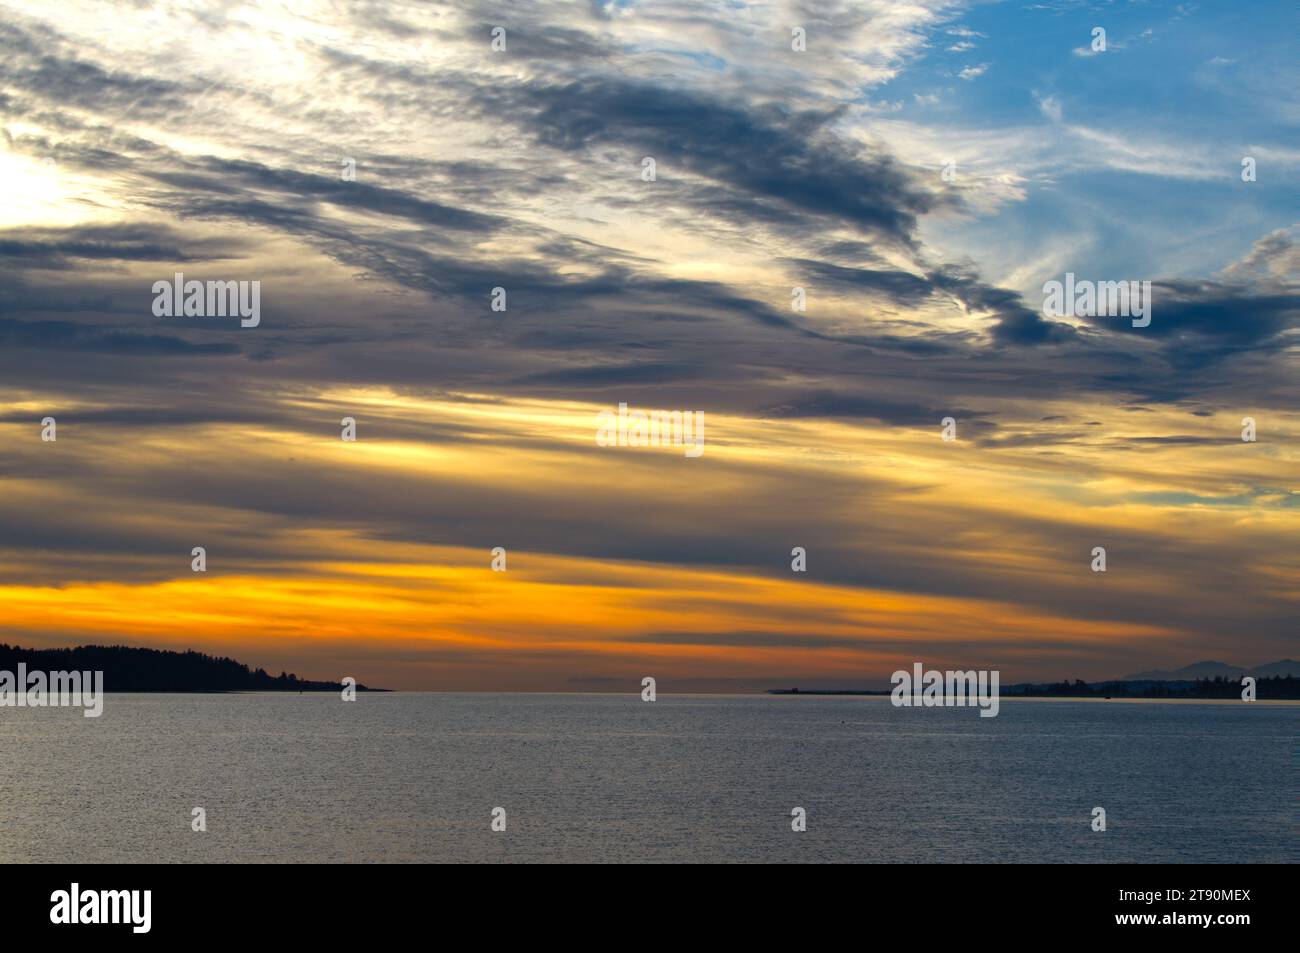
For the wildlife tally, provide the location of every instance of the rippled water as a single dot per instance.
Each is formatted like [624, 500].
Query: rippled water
[414, 777]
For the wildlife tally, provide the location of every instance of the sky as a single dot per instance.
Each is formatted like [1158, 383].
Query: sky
[919, 169]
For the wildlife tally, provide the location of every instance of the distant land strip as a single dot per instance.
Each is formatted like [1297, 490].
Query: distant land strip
[130, 669]
[1267, 689]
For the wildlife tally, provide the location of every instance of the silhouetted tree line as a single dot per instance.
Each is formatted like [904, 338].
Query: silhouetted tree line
[128, 669]
[1219, 687]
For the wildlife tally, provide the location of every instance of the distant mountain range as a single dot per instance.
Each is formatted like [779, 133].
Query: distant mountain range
[1208, 669]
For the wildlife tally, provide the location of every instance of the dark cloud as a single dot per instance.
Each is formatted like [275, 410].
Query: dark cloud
[774, 154]
[70, 335]
[43, 64]
[893, 412]
[901, 286]
[621, 374]
[1199, 321]
[56, 249]
[232, 177]
[528, 39]
[1015, 324]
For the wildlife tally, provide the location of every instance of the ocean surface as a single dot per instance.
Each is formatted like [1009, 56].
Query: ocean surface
[415, 777]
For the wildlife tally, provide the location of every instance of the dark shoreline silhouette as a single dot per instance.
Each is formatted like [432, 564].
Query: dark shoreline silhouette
[130, 669]
[1266, 689]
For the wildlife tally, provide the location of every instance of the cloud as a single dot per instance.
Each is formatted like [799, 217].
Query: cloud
[77, 246]
[69, 335]
[1275, 257]
[522, 171]
[769, 153]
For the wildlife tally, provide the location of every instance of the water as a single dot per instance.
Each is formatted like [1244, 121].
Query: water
[414, 777]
